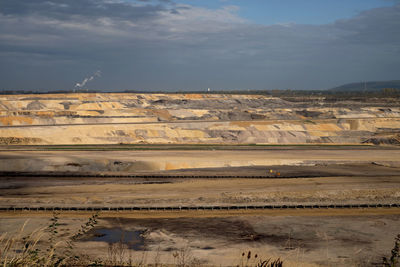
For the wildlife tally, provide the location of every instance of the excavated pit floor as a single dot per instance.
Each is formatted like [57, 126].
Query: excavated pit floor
[58, 174]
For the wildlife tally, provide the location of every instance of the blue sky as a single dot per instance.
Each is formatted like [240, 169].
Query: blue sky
[294, 11]
[177, 45]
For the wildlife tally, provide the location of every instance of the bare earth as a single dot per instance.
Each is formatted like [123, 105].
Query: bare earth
[163, 150]
[325, 237]
[154, 161]
[301, 238]
[327, 176]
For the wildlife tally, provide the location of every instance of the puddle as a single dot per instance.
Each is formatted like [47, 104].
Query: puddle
[133, 239]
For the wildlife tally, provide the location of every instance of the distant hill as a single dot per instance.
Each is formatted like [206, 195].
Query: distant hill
[367, 86]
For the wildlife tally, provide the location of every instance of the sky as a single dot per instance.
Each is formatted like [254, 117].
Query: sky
[183, 45]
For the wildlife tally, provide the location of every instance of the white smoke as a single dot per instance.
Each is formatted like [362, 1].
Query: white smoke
[86, 80]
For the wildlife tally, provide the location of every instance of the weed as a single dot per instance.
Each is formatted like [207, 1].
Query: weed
[22, 250]
[248, 259]
[116, 253]
[19, 250]
[182, 257]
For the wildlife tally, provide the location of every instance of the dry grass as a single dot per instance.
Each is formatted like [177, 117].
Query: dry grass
[23, 249]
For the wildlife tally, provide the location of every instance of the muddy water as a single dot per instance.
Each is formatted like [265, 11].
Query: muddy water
[133, 239]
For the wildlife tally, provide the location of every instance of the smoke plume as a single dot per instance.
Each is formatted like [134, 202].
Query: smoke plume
[86, 80]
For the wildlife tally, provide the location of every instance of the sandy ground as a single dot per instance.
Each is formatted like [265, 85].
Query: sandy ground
[197, 192]
[302, 238]
[144, 161]
[323, 182]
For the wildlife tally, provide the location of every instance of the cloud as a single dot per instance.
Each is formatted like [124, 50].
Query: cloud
[166, 45]
[376, 26]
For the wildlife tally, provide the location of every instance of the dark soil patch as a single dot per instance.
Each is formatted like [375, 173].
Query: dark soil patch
[229, 230]
[220, 228]
[282, 171]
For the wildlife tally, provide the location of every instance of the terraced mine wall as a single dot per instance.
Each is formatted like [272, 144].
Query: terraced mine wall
[340, 131]
[69, 119]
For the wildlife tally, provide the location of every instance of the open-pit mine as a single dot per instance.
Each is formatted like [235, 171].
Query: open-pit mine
[204, 178]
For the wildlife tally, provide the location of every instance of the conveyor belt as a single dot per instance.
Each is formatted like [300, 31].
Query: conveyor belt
[203, 208]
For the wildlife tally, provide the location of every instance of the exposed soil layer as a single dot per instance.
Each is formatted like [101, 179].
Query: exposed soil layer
[311, 240]
[353, 184]
[70, 119]
[96, 150]
[374, 169]
[149, 161]
[289, 176]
